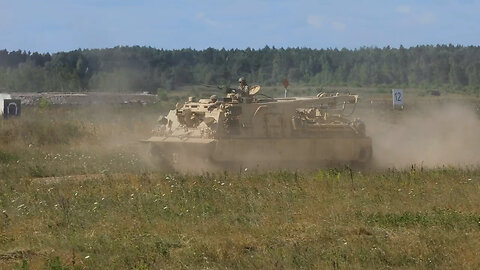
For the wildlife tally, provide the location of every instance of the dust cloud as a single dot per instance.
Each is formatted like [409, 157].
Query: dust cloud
[430, 136]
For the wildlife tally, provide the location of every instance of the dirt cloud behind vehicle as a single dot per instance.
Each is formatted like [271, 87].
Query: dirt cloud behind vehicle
[428, 135]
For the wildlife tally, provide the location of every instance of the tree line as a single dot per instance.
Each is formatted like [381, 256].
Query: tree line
[148, 69]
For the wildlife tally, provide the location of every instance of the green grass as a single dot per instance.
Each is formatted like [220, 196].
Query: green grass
[89, 200]
[270, 220]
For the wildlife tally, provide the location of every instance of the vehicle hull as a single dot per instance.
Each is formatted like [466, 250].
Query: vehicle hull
[262, 152]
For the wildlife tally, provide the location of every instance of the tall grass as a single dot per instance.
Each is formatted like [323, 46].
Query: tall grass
[392, 219]
[56, 141]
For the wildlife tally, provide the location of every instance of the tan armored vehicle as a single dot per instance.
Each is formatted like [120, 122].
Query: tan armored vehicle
[249, 130]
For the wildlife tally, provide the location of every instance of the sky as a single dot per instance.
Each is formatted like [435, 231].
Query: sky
[64, 25]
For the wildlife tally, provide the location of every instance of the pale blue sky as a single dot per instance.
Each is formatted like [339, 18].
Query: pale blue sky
[63, 25]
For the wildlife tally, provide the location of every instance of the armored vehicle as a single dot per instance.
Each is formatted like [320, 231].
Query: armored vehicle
[251, 130]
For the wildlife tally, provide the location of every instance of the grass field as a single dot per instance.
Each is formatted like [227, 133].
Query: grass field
[77, 192]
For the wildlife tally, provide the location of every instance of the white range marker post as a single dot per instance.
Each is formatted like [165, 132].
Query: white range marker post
[397, 96]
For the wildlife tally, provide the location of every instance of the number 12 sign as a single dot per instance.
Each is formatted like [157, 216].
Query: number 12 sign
[397, 95]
